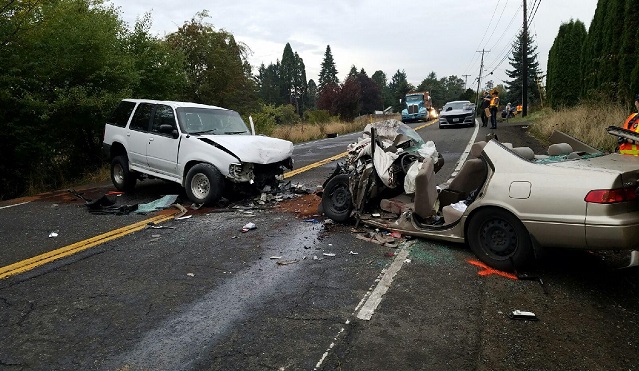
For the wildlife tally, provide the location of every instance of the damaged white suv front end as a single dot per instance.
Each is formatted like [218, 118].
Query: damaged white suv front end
[203, 148]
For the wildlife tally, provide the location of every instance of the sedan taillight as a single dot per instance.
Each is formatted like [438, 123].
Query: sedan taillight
[611, 196]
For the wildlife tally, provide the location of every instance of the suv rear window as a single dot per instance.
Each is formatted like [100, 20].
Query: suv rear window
[121, 115]
[142, 117]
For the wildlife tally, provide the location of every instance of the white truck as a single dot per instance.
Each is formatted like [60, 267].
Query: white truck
[203, 148]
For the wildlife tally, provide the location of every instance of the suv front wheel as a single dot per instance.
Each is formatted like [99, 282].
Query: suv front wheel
[204, 184]
[123, 179]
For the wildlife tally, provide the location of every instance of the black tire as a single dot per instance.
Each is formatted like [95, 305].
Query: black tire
[500, 240]
[204, 184]
[123, 179]
[337, 201]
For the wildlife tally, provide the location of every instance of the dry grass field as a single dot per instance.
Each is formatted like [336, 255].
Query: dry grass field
[305, 132]
[587, 122]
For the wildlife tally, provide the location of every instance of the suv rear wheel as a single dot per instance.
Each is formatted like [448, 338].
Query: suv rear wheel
[123, 179]
[204, 184]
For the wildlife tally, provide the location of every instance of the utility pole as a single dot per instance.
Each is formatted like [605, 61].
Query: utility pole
[481, 70]
[524, 52]
[465, 81]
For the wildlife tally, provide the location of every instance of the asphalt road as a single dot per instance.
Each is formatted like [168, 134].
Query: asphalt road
[202, 295]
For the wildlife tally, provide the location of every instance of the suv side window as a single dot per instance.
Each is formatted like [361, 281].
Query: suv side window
[142, 117]
[163, 116]
[121, 115]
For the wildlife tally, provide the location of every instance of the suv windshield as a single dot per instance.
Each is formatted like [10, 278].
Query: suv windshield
[210, 121]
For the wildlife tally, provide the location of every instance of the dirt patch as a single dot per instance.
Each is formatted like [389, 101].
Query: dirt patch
[304, 206]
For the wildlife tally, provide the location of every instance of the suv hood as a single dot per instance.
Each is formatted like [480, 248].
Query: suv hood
[255, 149]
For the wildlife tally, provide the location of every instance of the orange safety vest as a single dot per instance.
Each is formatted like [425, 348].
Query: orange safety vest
[632, 123]
[494, 102]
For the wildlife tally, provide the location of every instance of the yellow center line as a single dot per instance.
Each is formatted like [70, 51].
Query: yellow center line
[314, 165]
[36, 261]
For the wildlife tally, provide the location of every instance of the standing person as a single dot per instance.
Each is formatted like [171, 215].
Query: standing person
[485, 111]
[628, 146]
[494, 104]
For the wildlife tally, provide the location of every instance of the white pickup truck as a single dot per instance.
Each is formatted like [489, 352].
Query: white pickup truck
[201, 147]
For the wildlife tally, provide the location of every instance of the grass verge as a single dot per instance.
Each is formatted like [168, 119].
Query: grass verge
[587, 122]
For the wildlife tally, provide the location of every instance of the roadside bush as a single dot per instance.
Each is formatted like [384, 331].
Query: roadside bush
[271, 116]
[317, 116]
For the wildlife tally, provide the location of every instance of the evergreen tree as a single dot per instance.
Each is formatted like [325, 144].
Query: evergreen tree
[353, 72]
[299, 85]
[515, 85]
[269, 83]
[608, 73]
[563, 80]
[288, 68]
[311, 95]
[435, 88]
[398, 87]
[628, 61]
[380, 79]
[328, 72]
[591, 57]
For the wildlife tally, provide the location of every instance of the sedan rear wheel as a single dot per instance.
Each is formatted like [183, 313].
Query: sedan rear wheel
[500, 240]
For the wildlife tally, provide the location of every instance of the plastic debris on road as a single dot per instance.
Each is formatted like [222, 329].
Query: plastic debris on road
[248, 226]
[328, 254]
[53, 234]
[275, 257]
[191, 274]
[286, 262]
[353, 253]
[159, 204]
[523, 315]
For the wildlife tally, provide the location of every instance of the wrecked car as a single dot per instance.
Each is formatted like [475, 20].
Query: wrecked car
[506, 203]
[203, 148]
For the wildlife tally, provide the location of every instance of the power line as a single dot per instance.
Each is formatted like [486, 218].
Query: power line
[484, 36]
[497, 23]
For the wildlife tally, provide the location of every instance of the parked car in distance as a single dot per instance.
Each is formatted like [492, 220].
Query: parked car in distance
[203, 148]
[457, 113]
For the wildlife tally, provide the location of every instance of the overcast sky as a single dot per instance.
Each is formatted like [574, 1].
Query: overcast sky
[415, 36]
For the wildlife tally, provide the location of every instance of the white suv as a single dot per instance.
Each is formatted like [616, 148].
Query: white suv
[198, 146]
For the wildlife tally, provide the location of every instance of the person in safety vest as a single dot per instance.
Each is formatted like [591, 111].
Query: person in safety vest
[494, 104]
[627, 146]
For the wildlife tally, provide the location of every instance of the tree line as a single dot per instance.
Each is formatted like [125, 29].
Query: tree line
[65, 64]
[600, 64]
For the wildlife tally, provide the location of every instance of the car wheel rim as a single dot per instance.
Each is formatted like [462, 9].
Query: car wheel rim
[340, 199]
[498, 238]
[118, 174]
[200, 186]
